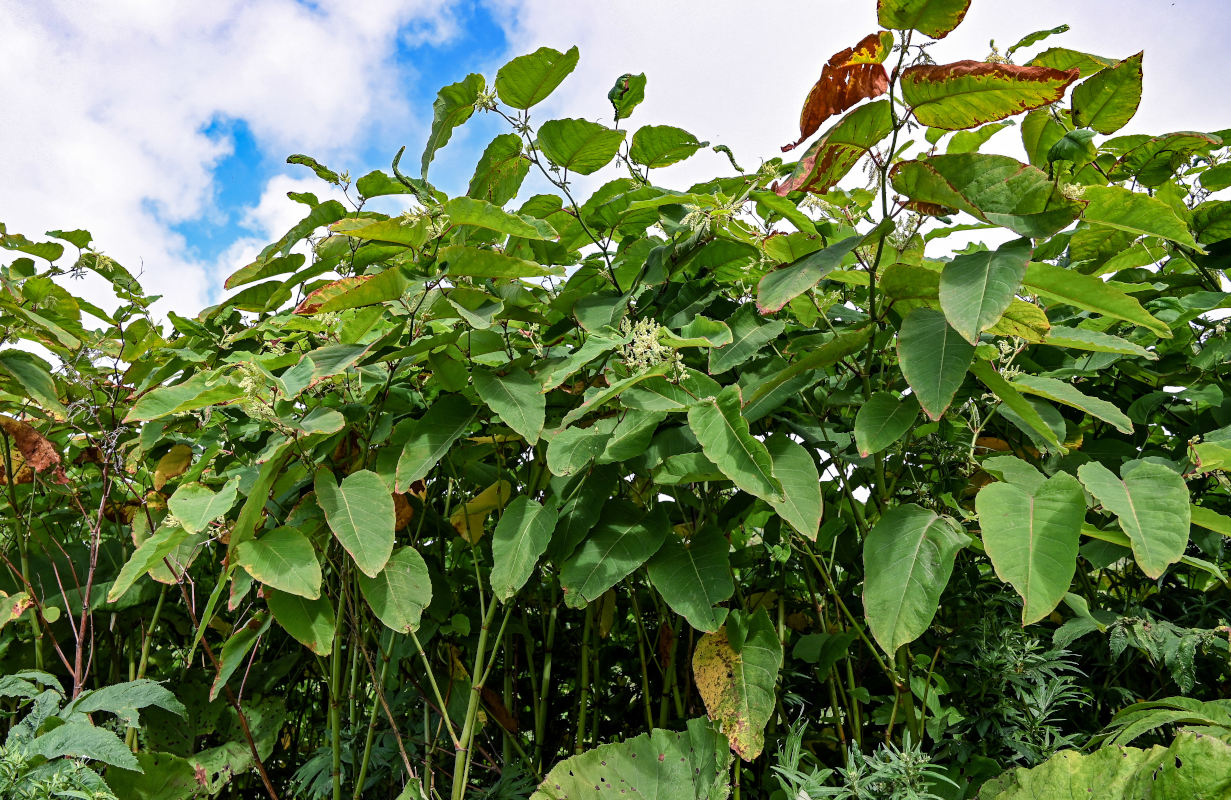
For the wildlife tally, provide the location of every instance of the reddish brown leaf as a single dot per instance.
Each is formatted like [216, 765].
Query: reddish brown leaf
[403, 511]
[852, 75]
[312, 303]
[39, 454]
[498, 711]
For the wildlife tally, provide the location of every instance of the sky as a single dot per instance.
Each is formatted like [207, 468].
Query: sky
[163, 126]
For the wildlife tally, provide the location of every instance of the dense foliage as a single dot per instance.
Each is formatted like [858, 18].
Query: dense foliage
[750, 488]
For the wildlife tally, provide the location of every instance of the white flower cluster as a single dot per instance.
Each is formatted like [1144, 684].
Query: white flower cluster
[258, 393]
[646, 350]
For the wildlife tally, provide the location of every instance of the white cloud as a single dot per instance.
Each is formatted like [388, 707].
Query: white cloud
[106, 104]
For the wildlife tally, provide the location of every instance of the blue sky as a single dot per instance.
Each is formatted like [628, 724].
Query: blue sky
[163, 125]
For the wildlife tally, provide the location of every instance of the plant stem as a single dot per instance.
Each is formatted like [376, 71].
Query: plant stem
[461, 757]
[335, 701]
[584, 694]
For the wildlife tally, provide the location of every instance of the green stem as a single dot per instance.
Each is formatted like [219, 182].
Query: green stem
[584, 695]
[461, 756]
[361, 776]
[540, 710]
[335, 700]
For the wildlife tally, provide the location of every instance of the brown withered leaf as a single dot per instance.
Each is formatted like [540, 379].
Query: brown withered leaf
[850, 76]
[499, 712]
[403, 511]
[39, 454]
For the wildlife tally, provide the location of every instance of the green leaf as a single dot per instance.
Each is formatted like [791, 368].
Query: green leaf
[1089, 293]
[882, 420]
[1032, 538]
[482, 214]
[1210, 520]
[364, 290]
[624, 539]
[1151, 502]
[626, 94]
[1094, 342]
[662, 145]
[200, 391]
[579, 145]
[148, 555]
[935, 18]
[1040, 132]
[1107, 101]
[971, 141]
[1063, 58]
[454, 105]
[784, 284]
[631, 436]
[431, 436]
[1135, 212]
[521, 537]
[908, 559]
[475, 262]
[571, 449]
[1014, 401]
[284, 559]
[515, 398]
[977, 288]
[501, 169]
[393, 231]
[529, 79]
[934, 359]
[236, 648]
[196, 506]
[126, 700]
[310, 622]
[1034, 38]
[694, 576]
[1156, 160]
[801, 485]
[993, 188]
[322, 172]
[839, 149]
[80, 739]
[725, 438]
[737, 682]
[967, 94]
[32, 374]
[360, 513]
[399, 592]
[694, 765]
[828, 354]
[749, 333]
[1066, 393]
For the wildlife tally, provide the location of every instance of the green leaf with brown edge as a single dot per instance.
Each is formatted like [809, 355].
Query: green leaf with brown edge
[782, 285]
[529, 79]
[935, 18]
[310, 622]
[976, 288]
[694, 576]
[360, 513]
[839, 149]
[934, 359]
[475, 262]
[399, 592]
[1107, 101]
[794, 467]
[347, 293]
[908, 559]
[1135, 212]
[624, 539]
[236, 648]
[482, 214]
[737, 684]
[1152, 505]
[1069, 395]
[1089, 293]
[284, 559]
[882, 420]
[993, 188]
[656, 146]
[501, 169]
[1014, 400]
[726, 440]
[454, 105]
[579, 145]
[967, 94]
[1032, 538]
[520, 538]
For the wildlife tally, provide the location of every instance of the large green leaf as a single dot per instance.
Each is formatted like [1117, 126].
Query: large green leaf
[360, 513]
[80, 739]
[1069, 395]
[934, 359]
[482, 214]
[967, 94]
[882, 420]
[454, 105]
[579, 145]
[1031, 537]
[521, 536]
[515, 398]
[529, 79]
[500, 171]
[624, 539]
[786, 283]
[694, 765]
[839, 149]
[284, 559]
[1151, 502]
[993, 188]
[1156, 160]
[1089, 293]
[196, 506]
[801, 485]
[200, 391]
[749, 333]
[431, 436]
[662, 145]
[572, 448]
[694, 576]
[907, 558]
[35, 379]
[310, 622]
[476, 262]
[725, 438]
[736, 679]
[399, 592]
[976, 288]
[1135, 212]
[148, 555]
[1107, 101]
[936, 18]
[831, 352]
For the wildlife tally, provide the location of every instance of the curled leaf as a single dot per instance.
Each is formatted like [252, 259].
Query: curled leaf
[39, 454]
[852, 75]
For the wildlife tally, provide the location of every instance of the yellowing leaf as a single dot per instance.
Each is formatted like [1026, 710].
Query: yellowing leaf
[468, 520]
